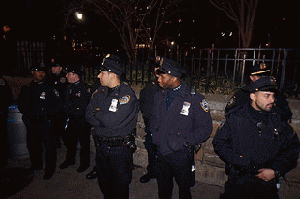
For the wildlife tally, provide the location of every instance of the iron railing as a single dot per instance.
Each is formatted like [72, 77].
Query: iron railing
[210, 69]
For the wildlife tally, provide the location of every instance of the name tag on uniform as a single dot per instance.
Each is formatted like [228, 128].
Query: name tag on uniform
[42, 96]
[185, 108]
[113, 105]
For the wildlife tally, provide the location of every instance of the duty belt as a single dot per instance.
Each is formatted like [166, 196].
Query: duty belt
[111, 142]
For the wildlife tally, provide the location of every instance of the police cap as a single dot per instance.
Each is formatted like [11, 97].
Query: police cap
[264, 83]
[75, 69]
[111, 63]
[39, 67]
[168, 66]
[261, 69]
[55, 64]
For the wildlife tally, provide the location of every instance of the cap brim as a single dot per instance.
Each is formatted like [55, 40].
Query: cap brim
[260, 72]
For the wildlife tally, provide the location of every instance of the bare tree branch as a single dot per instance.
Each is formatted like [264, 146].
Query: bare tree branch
[243, 13]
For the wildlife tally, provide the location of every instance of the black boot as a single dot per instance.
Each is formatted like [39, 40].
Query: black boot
[146, 178]
[92, 174]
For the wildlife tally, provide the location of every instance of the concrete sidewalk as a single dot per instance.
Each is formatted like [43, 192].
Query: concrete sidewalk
[68, 184]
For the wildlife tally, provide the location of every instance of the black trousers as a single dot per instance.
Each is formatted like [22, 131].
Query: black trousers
[250, 187]
[150, 147]
[58, 128]
[179, 165]
[78, 130]
[114, 169]
[37, 136]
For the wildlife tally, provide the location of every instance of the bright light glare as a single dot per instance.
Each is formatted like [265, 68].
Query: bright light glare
[79, 15]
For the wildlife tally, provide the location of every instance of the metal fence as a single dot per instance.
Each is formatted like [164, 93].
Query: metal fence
[29, 52]
[212, 70]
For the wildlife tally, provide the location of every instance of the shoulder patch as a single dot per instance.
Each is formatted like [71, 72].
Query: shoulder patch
[204, 105]
[231, 101]
[125, 99]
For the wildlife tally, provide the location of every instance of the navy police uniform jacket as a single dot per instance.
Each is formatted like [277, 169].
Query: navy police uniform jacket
[77, 97]
[38, 100]
[187, 120]
[113, 114]
[249, 140]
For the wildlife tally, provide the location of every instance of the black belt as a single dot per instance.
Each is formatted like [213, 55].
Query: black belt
[111, 142]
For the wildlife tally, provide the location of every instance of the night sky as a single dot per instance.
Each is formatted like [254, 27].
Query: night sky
[41, 19]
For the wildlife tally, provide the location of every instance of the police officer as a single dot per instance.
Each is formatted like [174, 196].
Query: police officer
[6, 101]
[39, 102]
[146, 105]
[242, 96]
[59, 81]
[76, 98]
[256, 145]
[113, 111]
[181, 122]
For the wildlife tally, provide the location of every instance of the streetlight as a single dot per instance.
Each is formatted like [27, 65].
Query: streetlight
[78, 15]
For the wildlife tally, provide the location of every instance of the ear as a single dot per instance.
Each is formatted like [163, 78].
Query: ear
[252, 96]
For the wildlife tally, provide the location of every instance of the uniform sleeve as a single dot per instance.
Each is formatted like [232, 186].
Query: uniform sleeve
[125, 113]
[223, 146]
[240, 98]
[89, 114]
[24, 102]
[202, 121]
[288, 154]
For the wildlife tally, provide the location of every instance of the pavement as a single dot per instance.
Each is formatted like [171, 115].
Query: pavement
[15, 183]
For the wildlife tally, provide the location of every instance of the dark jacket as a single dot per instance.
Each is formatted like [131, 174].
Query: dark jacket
[113, 114]
[187, 120]
[147, 98]
[250, 140]
[37, 100]
[76, 98]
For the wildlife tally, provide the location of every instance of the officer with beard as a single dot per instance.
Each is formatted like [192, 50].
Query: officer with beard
[257, 147]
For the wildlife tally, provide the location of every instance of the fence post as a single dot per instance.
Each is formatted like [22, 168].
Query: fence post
[283, 69]
[234, 67]
[208, 71]
[243, 70]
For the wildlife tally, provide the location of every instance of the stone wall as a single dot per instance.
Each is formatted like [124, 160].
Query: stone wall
[209, 167]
